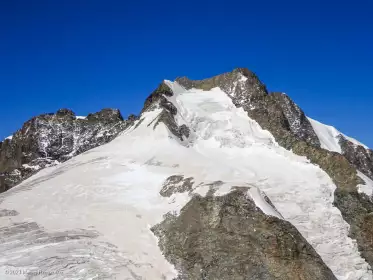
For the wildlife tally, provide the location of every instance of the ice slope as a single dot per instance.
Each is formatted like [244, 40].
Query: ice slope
[329, 136]
[90, 216]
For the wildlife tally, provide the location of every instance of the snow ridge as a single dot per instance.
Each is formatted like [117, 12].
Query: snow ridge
[329, 136]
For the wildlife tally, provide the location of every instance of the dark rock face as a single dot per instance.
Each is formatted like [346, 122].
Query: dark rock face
[360, 157]
[106, 116]
[167, 116]
[48, 139]
[298, 123]
[156, 95]
[228, 238]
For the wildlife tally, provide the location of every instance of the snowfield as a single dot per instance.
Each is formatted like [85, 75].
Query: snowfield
[90, 217]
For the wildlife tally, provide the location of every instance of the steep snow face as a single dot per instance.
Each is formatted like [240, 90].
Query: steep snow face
[329, 136]
[90, 216]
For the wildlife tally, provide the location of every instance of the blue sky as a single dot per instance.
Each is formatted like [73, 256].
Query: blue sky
[87, 55]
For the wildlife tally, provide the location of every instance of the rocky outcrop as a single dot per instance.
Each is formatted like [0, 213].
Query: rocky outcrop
[49, 139]
[298, 123]
[176, 184]
[153, 99]
[158, 100]
[358, 155]
[228, 237]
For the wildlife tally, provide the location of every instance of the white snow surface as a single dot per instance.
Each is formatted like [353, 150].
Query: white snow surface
[329, 140]
[329, 136]
[109, 196]
[368, 187]
[259, 200]
[9, 137]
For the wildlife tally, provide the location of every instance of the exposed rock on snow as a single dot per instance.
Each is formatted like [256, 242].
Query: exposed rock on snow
[297, 120]
[176, 184]
[158, 99]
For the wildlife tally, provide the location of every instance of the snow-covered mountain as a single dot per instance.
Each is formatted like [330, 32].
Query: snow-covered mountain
[216, 179]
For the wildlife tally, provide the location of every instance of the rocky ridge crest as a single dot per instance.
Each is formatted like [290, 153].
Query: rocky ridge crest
[49, 139]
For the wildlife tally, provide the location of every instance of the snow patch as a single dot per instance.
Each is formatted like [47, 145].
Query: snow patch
[368, 187]
[27, 166]
[329, 136]
[354, 141]
[259, 199]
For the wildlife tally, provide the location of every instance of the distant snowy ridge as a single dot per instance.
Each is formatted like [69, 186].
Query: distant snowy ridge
[329, 136]
[9, 137]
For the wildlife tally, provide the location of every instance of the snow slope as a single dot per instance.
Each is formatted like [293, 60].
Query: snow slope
[90, 216]
[329, 136]
[368, 187]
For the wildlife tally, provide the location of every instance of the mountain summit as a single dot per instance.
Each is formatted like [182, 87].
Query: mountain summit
[215, 179]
